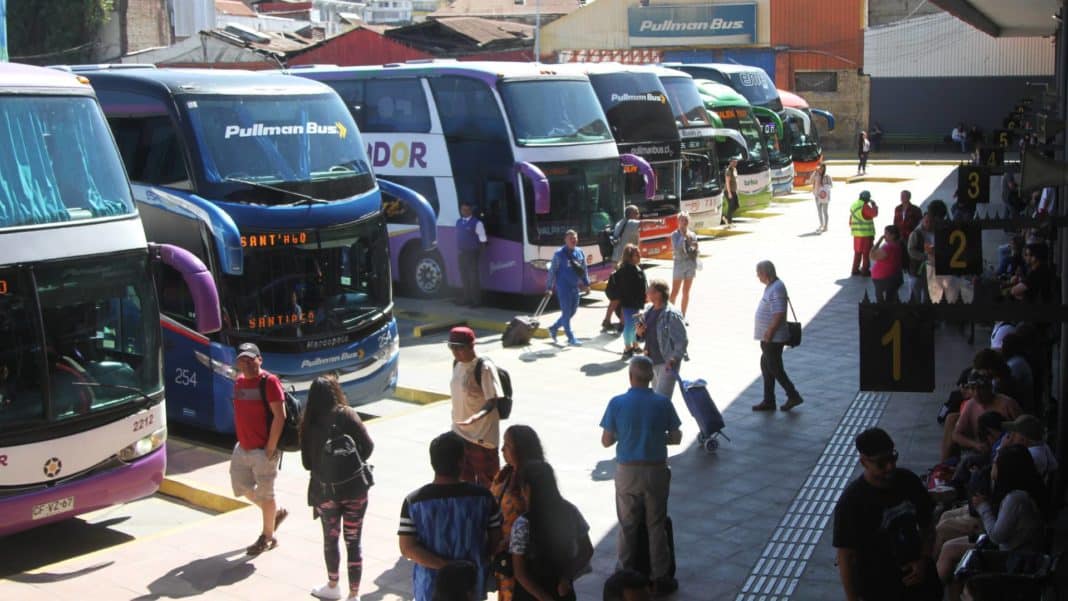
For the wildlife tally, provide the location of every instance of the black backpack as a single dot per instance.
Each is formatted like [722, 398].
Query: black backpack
[504, 403]
[290, 437]
[343, 474]
[607, 241]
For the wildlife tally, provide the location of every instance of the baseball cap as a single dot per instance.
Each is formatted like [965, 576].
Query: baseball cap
[461, 336]
[865, 195]
[874, 442]
[978, 378]
[248, 349]
[1028, 425]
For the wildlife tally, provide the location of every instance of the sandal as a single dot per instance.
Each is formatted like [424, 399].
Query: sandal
[262, 544]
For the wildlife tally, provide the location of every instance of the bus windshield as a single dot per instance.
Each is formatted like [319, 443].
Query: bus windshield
[686, 102]
[804, 147]
[742, 119]
[544, 112]
[304, 144]
[635, 106]
[700, 175]
[309, 282]
[58, 162]
[585, 197]
[757, 88]
[777, 154]
[99, 348]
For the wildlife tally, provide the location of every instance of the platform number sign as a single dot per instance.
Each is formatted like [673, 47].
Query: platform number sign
[973, 184]
[896, 348]
[991, 156]
[959, 249]
[1002, 138]
[1012, 122]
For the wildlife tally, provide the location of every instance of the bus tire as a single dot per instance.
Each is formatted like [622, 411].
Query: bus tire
[424, 274]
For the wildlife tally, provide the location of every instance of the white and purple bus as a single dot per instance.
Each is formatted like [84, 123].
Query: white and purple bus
[529, 146]
[82, 413]
[264, 177]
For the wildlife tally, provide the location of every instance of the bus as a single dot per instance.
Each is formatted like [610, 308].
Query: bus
[730, 110]
[82, 411]
[264, 178]
[701, 192]
[527, 144]
[780, 159]
[643, 124]
[806, 148]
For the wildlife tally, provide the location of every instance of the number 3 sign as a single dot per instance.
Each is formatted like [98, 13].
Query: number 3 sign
[959, 249]
[973, 184]
[896, 348]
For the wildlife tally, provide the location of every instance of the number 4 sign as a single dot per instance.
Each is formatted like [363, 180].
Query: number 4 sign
[896, 348]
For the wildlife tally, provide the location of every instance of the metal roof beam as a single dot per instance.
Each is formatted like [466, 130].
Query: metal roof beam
[965, 11]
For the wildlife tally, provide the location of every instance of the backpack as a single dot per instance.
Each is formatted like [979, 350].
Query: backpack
[606, 243]
[342, 474]
[504, 403]
[289, 440]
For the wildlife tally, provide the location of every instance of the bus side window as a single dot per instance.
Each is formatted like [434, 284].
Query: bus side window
[151, 150]
[500, 211]
[351, 91]
[396, 105]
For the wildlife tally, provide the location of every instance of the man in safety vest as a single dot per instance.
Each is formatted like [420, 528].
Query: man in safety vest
[862, 222]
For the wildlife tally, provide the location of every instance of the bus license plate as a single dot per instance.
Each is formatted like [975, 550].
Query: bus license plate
[51, 508]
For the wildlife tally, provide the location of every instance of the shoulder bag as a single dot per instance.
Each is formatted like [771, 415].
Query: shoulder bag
[793, 328]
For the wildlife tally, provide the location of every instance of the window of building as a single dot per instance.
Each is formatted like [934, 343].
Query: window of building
[816, 81]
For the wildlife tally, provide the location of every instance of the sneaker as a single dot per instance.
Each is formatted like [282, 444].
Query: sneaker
[606, 325]
[764, 406]
[279, 517]
[262, 544]
[665, 585]
[332, 593]
[627, 354]
[552, 334]
[792, 402]
[574, 342]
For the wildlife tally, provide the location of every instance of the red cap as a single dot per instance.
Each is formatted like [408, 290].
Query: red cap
[461, 336]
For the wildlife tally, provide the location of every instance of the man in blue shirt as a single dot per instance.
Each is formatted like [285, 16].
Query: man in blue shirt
[448, 520]
[470, 239]
[641, 423]
[567, 275]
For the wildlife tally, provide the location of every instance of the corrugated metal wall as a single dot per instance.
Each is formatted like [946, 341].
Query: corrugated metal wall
[943, 46]
[754, 57]
[824, 35]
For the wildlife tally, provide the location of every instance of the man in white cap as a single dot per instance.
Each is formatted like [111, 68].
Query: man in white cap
[1028, 431]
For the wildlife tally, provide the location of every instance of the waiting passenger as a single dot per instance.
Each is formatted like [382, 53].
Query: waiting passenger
[1028, 431]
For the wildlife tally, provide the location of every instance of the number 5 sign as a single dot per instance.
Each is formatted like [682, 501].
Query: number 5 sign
[959, 249]
[896, 348]
[973, 184]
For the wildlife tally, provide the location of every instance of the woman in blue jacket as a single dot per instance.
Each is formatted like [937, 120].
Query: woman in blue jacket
[567, 275]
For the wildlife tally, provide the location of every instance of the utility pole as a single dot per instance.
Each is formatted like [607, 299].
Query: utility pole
[3, 31]
[537, 30]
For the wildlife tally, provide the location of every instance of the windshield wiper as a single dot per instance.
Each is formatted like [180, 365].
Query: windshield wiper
[304, 198]
[146, 401]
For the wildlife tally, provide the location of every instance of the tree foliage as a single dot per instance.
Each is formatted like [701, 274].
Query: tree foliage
[54, 31]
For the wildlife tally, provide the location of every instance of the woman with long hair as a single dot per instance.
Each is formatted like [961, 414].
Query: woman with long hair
[821, 189]
[550, 543]
[629, 282]
[340, 507]
[684, 261]
[863, 148]
[1012, 517]
[520, 446]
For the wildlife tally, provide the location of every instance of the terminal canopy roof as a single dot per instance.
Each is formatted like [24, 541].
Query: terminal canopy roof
[1002, 18]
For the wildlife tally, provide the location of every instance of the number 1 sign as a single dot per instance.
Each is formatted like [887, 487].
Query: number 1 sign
[896, 348]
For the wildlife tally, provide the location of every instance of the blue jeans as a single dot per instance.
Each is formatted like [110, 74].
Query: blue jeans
[569, 300]
[630, 329]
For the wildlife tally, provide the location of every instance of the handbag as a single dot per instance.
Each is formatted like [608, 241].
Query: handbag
[793, 328]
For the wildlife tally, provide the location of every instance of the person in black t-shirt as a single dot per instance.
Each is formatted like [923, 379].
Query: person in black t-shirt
[882, 529]
[1035, 287]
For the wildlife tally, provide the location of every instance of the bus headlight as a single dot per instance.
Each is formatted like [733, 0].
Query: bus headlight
[144, 446]
[541, 264]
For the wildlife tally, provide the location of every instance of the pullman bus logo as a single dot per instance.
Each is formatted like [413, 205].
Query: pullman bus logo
[717, 24]
[53, 467]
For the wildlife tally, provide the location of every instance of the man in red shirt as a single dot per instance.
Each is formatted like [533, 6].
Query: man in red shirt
[907, 216]
[254, 464]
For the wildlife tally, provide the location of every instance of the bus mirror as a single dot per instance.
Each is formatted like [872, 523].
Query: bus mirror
[198, 279]
[540, 183]
[801, 117]
[648, 175]
[826, 115]
[735, 137]
[424, 211]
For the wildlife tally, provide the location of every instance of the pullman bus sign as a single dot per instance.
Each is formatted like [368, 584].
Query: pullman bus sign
[692, 24]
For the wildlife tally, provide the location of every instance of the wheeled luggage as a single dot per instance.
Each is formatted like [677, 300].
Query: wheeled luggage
[703, 409]
[521, 328]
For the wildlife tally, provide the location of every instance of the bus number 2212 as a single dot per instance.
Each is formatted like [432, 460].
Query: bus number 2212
[185, 377]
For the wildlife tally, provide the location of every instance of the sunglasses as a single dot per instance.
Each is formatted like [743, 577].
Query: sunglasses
[881, 461]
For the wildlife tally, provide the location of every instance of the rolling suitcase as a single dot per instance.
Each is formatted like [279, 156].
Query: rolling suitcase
[521, 328]
[703, 409]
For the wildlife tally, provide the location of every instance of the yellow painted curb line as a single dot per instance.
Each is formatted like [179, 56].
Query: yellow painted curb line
[721, 233]
[599, 286]
[429, 329]
[199, 496]
[913, 162]
[417, 396]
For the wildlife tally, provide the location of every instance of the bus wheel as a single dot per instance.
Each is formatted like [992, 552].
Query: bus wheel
[426, 275]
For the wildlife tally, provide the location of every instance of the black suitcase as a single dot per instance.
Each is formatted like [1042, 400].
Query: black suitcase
[641, 553]
[521, 328]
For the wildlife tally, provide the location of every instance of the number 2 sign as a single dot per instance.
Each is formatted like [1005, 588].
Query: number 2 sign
[959, 249]
[896, 348]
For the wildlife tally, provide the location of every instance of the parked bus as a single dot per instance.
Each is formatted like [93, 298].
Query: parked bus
[528, 145]
[701, 193]
[780, 160]
[731, 111]
[643, 124]
[806, 148]
[264, 178]
[81, 388]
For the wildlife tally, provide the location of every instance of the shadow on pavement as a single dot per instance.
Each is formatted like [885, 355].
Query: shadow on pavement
[79, 538]
[387, 581]
[201, 576]
[600, 369]
[604, 470]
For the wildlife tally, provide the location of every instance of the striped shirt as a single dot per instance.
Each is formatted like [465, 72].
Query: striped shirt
[452, 521]
[773, 301]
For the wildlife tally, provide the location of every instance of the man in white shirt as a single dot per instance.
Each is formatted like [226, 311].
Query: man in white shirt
[474, 414]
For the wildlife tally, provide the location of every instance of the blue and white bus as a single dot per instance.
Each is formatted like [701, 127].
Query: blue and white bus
[264, 178]
[528, 145]
[82, 417]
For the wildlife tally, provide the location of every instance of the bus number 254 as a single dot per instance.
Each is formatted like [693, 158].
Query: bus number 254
[185, 377]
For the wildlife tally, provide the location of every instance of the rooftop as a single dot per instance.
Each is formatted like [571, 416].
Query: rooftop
[233, 8]
[505, 8]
